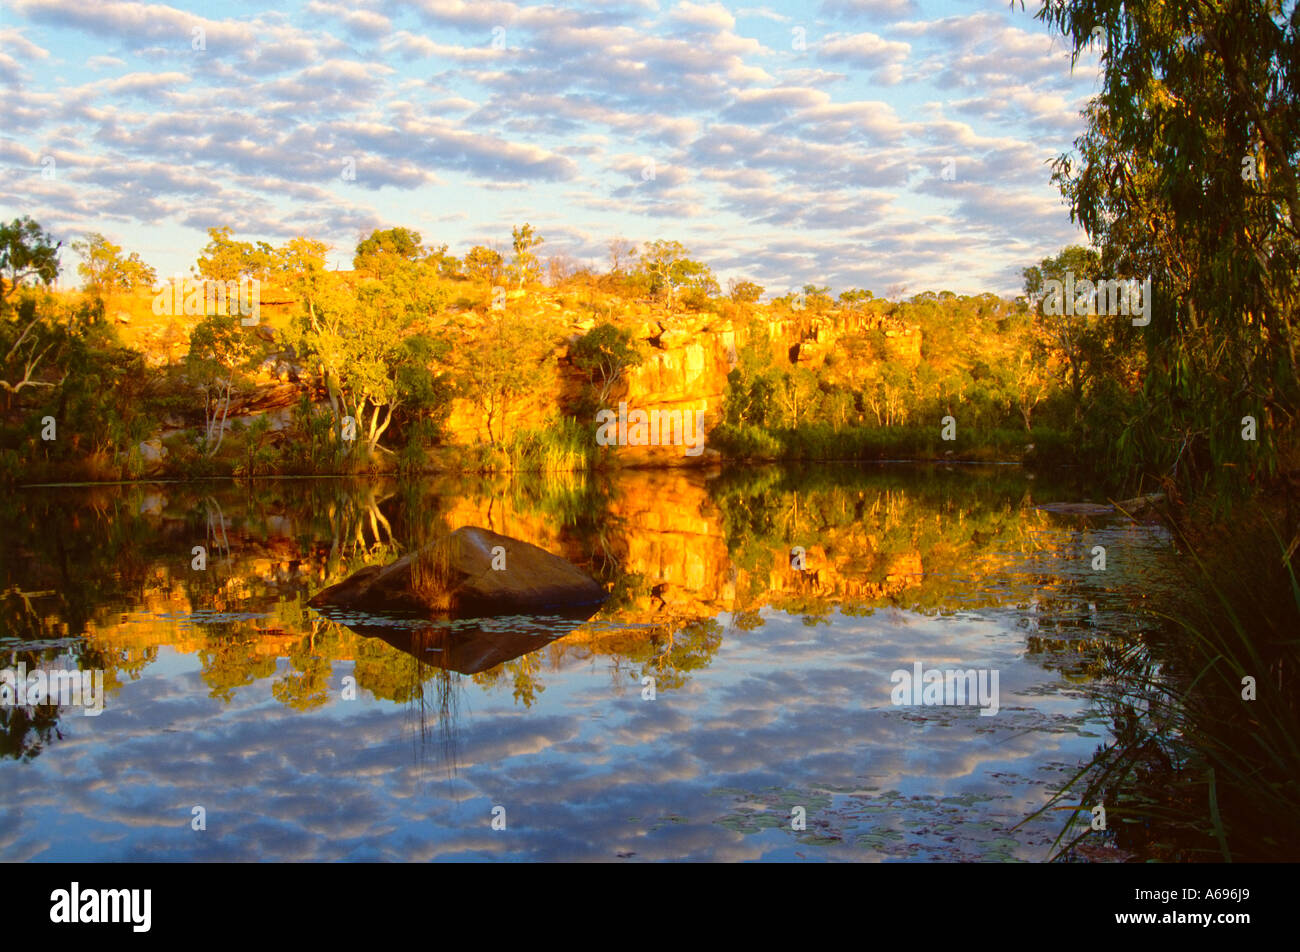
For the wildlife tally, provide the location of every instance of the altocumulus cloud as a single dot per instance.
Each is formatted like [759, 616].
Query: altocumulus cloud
[770, 126]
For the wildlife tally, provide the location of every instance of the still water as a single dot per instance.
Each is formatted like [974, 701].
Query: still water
[719, 697]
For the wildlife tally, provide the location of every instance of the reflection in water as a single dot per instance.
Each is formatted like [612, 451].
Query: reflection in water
[465, 645]
[770, 674]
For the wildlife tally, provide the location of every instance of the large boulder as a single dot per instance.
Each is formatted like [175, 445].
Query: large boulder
[464, 574]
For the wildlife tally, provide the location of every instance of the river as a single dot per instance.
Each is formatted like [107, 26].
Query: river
[724, 704]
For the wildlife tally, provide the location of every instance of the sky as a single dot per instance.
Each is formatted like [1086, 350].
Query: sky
[892, 145]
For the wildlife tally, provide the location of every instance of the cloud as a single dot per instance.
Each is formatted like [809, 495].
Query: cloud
[12, 39]
[360, 22]
[826, 149]
[869, 9]
[709, 16]
[863, 50]
[144, 83]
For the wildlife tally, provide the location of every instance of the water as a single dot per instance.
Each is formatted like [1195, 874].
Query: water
[285, 734]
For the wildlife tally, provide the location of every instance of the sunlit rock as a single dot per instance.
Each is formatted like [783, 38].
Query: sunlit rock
[465, 574]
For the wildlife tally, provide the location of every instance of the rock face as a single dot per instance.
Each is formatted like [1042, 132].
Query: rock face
[687, 357]
[465, 574]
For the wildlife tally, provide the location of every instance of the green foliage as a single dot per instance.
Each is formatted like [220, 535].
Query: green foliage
[1216, 233]
[669, 271]
[524, 266]
[565, 446]
[106, 271]
[224, 259]
[402, 243]
[485, 265]
[605, 354]
[26, 251]
[222, 350]
[504, 367]
[744, 292]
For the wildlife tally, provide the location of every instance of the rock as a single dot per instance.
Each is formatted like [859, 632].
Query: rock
[1127, 506]
[1077, 508]
[1140, 503]
[455, 576]
[152, 452]
[674, 337]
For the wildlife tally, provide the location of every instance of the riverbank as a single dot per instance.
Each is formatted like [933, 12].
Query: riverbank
[567, 446]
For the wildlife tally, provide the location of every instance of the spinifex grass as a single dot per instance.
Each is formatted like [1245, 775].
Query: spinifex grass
[1196, 771]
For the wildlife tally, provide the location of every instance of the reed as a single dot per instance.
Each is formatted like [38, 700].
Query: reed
[1196, 771]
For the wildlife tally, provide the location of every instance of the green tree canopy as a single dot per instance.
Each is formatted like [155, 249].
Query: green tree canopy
[524, 266]
[670, 269]
[605, 353]
[1187, 172]
[398, 242]
[484, 264]
[26, 251]
[106, 271]
[744, 292]
[225, 259]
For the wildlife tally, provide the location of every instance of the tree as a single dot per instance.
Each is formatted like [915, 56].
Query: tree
[669, 269]
[1187, 173]
[524, 267]
[446, 266]
[26, 251]
[484, 264]
[605, 354]
[34, 335]
[509, 359]
[559, 269]
[795, 392]
[363, 341]
[744, 292]
[621, 252]
[220, 349]
[396, 242]
[1069, 332]
[32, 339]
[105, 271]
[224, 259]
[817, 298]
[854, 298]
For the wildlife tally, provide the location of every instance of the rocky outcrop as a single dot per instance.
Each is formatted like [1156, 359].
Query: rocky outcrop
[471, 572]
[688, 356]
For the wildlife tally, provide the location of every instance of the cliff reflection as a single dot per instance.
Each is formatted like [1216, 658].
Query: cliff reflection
[107, 575]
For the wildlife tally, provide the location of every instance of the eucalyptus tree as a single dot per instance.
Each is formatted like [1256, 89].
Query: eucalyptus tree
[1187, 173]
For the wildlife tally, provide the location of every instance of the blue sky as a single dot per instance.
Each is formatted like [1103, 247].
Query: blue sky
[786, 143]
